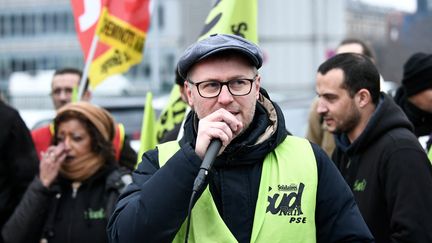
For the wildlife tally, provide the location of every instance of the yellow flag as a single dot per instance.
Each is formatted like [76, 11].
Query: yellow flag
[113, 36]
[74, 94]
[148, 138]
[125, 43]
[237, 17]
[172, 115]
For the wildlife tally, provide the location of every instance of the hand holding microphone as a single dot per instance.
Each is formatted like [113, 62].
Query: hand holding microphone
[221, 125]
[207, 163]
[215, 132]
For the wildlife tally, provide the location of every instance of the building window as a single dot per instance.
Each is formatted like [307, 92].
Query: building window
[29, 25]
[70, 23]
[161, 19]
[45, 21]
[2, 25]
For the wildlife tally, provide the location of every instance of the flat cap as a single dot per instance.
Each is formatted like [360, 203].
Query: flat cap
[217, 43]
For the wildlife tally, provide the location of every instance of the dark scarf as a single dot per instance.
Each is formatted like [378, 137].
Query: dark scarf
[262, 136]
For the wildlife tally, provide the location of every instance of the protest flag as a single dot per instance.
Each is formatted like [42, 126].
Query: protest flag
[172, 115]
[148, 137]
[238, 17]
[112, 35]
[75, 94]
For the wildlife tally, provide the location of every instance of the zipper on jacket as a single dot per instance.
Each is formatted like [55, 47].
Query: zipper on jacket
[75, 186]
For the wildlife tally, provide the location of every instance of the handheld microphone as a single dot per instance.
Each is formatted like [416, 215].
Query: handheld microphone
[209, 157]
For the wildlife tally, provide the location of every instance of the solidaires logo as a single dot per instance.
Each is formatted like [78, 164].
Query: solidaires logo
[287, 201]
[359, 185]
[94, 214]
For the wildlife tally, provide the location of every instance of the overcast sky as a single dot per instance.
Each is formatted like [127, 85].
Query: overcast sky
[406, 5]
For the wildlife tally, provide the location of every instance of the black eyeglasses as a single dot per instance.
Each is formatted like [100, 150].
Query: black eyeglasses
[212, 88]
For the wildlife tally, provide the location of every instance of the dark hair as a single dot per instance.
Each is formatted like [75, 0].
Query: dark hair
[99, 144]
[69, 70]
[178, 79]
[367, 50]
[359, 73]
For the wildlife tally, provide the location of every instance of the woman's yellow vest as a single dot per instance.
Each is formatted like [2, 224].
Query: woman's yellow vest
[285, 210]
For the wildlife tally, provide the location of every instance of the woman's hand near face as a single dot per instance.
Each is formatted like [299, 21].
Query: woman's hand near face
[50, 164]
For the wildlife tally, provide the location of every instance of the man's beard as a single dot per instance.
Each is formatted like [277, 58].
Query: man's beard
[350, 122]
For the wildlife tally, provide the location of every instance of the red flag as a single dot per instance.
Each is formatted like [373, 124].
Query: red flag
[86, 14]
[121, 26]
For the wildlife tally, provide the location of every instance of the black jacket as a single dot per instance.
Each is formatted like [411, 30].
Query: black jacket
[390, 176]
[18, 160]
[59, 214]
[153, 208]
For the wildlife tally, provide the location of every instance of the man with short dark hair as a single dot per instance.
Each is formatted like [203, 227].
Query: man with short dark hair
[265, 185]
[316, 130]
[63, 82]
[376, 150]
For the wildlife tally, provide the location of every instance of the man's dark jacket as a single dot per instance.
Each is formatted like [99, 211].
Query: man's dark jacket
[18, 160]
[154, 207]
[390, 176]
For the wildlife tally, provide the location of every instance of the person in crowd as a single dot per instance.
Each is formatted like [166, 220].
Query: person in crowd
[414, 96]
[316, 130]
[62, 85]
[376, 150]
[265, 185]
[18, 160]
[78, 182]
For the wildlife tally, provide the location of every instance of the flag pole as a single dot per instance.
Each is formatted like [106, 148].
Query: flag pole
[84, 80]
[157, 50]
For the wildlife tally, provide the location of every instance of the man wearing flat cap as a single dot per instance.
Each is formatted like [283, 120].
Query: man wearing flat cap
[265, 184]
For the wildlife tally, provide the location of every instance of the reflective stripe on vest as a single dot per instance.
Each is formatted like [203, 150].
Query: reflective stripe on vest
[42, 138]
[118, 140]
[429, 154]
[51, 128]
[285, 209]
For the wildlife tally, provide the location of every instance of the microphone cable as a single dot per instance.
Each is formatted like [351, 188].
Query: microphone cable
[209, 157]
